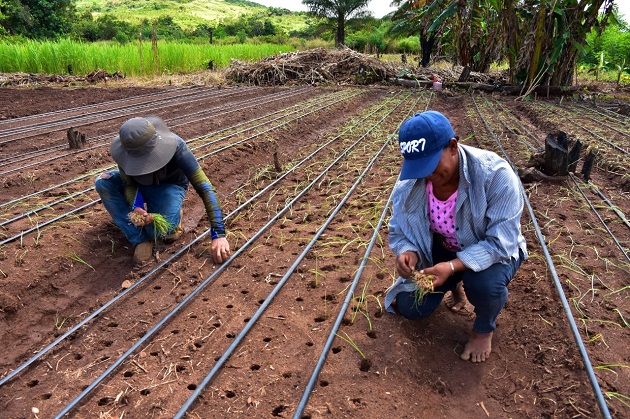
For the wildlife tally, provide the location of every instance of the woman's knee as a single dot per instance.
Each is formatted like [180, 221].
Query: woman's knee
[410, 307]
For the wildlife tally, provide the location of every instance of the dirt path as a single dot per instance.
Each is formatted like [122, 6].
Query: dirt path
[300, 236]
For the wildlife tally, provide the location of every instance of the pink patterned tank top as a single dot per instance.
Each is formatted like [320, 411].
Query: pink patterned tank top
[442, 218]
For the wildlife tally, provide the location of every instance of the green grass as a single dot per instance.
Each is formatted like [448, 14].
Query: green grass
[188, 14]
[132, 59]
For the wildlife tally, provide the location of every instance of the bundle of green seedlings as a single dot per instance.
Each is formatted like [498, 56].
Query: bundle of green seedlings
[424, 282]
[161, 225]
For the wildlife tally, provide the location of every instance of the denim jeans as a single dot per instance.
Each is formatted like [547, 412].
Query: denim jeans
[165, 199]
[486, 290]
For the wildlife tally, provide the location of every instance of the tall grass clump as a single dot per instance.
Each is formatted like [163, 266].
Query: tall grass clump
[56, 57]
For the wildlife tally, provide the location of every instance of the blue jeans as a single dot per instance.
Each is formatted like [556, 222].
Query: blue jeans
[486, 290]
[165, 199]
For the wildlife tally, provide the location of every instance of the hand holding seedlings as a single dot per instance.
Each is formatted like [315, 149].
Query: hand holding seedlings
[406, 263]
[139, 217]
[155, 167]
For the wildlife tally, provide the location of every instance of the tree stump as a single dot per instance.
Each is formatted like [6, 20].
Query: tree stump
[76, 140]
[574, 156]
[588, 164]
[556, 155]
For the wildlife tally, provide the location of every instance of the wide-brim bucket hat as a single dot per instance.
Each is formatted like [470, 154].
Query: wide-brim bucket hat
[143, 145]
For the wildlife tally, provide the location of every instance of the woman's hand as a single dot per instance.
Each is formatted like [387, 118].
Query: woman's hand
[143, 218]
[220, 250]
[441, 272]
[406, 263]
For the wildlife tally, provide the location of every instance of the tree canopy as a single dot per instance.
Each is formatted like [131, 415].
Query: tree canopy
[341, 10]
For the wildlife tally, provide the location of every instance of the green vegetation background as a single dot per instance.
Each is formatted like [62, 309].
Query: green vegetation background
[80, 36]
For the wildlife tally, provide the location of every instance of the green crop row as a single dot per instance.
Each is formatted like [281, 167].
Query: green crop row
[132, 59]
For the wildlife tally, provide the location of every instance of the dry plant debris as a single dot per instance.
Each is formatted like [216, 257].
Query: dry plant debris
[312, 67]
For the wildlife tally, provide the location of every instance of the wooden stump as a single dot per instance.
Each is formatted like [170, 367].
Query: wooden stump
[76, 140]
[556, 155]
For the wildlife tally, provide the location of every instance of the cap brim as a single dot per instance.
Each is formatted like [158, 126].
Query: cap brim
[420, 168]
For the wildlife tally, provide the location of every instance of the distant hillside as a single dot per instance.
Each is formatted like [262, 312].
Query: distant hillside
[191, 13]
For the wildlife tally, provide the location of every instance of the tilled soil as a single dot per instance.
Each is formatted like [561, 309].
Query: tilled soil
[304, 176]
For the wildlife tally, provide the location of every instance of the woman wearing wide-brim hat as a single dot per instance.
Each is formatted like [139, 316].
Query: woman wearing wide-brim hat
[456, 216]
[155, 167]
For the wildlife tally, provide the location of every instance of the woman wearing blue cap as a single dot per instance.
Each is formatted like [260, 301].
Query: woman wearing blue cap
[155, 167]
[456, 216]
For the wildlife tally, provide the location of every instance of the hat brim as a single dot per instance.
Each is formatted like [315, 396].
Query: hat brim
[420, 168]
[151, 162]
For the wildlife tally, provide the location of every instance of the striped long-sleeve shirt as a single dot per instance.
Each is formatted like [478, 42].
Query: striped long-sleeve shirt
[180, 170]
[488, 213]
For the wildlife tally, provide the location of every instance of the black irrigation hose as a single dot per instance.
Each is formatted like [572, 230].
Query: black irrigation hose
[112, 166]
[611, 144]
[101, 137]
[517, 135]
[237, 340]
[200, 287]
[42, 352]
[44, 224]
[597, 121]
[622, 119]
[38, 226]
[113, 114]
[85, 107]
[603, 407]
[610, 204]
[600, 218]
[224, 110]
[349, 294]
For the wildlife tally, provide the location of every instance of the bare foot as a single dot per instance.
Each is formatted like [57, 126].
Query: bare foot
[456, 299]
[478, 348]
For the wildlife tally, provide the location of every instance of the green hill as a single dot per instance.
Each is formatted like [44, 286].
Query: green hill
[191, 13]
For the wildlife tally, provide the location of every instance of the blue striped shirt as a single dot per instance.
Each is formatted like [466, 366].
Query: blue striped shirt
[488, 213]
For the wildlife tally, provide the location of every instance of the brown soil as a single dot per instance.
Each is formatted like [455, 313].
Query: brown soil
[380, 365]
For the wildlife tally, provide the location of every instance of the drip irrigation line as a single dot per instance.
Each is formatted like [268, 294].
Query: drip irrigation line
[599, 217]
[610, 204]
[113, 166]
[113, 114]
[102, 137]
[616, 119]
[331, 337]
[45, 223]
[346, 303]
[87, 107]
[253, 319]
[597, 121]
[519, 136]
[594, 134]
[199, 288]
[603, 407]
[232, 108]
[167, 261]
[21, 234]
[612, 114]
[43, 207]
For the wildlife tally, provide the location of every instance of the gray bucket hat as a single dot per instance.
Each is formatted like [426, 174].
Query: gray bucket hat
[143, 145]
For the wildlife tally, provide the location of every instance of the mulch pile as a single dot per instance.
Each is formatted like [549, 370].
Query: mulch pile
[21, 79]
[312, 67]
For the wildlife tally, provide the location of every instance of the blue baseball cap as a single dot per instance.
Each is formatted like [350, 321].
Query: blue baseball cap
[421, 139]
